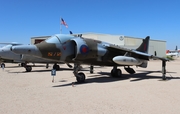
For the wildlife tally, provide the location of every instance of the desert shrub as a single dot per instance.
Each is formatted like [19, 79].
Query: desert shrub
[169, 57]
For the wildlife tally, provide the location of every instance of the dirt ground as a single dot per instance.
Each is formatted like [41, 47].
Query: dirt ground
[142, 93]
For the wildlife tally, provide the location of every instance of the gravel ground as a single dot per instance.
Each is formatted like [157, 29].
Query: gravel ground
[142, 93]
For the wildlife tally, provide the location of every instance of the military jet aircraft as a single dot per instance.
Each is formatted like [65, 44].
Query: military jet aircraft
[173, 53]
[78, 50]
[7, 55]
[2, 59]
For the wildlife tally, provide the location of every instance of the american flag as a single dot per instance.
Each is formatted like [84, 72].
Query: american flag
[64, 23]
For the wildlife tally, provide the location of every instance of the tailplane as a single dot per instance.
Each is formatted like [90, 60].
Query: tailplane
[144, 46]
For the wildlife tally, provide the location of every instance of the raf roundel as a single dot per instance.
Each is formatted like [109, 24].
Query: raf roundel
[84, 49]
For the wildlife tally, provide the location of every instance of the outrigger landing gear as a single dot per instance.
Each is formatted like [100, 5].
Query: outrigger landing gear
[163, 70]
[2, 65]
[80, 77]
[116, 72]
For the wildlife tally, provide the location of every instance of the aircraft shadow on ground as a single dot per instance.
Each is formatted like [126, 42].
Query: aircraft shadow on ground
[12, 67]
[45, 70]
[61, 69]
[104, 77]
[49, 70]
[23, 67]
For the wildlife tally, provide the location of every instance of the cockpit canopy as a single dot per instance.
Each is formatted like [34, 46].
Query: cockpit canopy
[59, 38]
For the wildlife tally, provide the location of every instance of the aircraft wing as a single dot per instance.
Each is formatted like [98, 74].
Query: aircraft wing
[133, 53]
[12, 43]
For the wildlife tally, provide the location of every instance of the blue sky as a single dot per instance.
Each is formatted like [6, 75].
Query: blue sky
[22, 19]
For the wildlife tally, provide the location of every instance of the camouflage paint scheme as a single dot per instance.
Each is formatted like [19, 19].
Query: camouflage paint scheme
[6, 55]
[79, 50]
[74, 49]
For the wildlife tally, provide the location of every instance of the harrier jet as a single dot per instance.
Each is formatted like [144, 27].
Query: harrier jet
[6, 55]
[79, 50]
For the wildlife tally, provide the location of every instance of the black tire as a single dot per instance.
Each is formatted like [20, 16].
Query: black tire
[56, 67]
[23, 64]
[116, 73]
[81, 77]
[28, 68]
[113, 73]
[91, 71]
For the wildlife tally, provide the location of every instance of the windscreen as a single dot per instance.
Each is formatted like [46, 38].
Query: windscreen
[64, 38]
[53, 39]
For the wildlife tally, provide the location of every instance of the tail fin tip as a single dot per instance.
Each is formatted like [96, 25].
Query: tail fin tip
[144, 45]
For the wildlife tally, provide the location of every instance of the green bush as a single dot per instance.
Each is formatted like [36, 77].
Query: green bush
[169, 57]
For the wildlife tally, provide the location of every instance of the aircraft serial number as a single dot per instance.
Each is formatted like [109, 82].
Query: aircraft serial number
[52, 54]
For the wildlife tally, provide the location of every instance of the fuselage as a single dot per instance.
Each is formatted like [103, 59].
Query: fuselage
[73, 49]
[8, 56]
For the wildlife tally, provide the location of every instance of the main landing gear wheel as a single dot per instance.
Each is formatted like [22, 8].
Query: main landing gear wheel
[28, 68]
[80, 77]
[116, 73]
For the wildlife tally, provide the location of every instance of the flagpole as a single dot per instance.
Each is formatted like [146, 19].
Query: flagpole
[62, 23]
[60, 27]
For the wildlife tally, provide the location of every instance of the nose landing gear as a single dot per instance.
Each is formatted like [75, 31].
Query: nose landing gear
[80, 77]
[56, 67]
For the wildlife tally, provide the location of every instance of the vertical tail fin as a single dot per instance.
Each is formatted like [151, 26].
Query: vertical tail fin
[70, 32]
[176, 48]
[144, 46]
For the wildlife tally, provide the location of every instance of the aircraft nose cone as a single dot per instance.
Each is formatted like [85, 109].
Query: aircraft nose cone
[26, 49]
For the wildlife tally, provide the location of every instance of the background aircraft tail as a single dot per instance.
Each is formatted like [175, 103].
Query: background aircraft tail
[144, 46]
